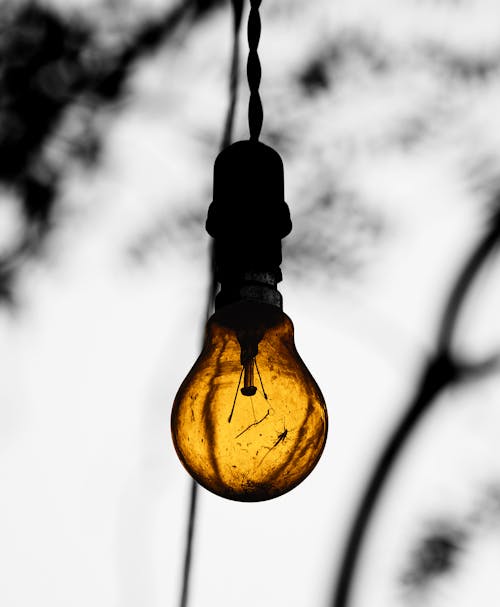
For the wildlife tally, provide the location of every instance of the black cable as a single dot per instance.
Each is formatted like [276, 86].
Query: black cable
[188, 554]
[226, 140]
[441, 371]
[234, 75]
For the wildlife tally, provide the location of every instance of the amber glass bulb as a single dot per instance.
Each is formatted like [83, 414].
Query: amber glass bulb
[249, 422]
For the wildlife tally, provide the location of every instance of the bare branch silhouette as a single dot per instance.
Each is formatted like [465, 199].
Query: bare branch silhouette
[442, 370]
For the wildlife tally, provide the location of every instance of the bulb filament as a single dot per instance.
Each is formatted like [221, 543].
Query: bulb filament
[248, 388]
[248, 375]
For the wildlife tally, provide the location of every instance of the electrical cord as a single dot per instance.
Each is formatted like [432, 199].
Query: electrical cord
[226, 140]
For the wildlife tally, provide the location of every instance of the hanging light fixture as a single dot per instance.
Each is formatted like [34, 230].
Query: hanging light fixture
[249, 422]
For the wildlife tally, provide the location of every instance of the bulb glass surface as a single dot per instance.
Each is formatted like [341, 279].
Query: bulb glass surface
[249, 422]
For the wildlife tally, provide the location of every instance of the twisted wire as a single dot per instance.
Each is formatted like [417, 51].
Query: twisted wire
[254, 72]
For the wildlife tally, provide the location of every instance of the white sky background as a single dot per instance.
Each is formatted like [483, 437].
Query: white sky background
[93, 501]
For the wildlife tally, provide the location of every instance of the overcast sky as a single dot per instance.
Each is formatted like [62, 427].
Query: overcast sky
[386, 117]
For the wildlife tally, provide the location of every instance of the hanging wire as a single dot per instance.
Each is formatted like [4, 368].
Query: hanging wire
[254, 72]
[234, 74]
[442, 370]
[226, 140]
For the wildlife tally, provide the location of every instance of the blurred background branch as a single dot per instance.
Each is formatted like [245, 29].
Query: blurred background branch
[443, 370]
[48, 65]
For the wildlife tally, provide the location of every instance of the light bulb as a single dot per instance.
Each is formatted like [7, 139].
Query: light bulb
[249, 422]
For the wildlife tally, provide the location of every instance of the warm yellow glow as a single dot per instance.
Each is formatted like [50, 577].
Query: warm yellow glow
[249, 422]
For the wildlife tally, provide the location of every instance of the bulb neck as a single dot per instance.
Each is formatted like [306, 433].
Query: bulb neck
[250, 287]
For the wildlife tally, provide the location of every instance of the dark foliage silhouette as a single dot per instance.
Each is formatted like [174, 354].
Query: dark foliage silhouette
[436, 555]
[40, 73]
[447, 543]
[48, 64]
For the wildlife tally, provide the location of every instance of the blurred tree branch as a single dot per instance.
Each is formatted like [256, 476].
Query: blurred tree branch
[47, 65]
[443, 369]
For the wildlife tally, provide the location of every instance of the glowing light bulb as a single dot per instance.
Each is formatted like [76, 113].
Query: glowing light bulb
[249, 422]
